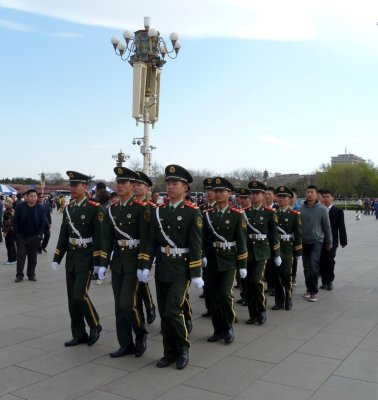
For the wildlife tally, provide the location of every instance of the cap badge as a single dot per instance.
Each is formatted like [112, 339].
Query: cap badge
[209, 180]
[120, 171]
[282, 189]
[254, 184]
[172, 169]
[71, 175]
[217, 181]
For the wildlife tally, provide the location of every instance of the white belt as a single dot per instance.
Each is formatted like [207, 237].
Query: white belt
[286, 238]
[257, 236]
[174, 251]
[80, 241]
[128, 242]
[223, 245]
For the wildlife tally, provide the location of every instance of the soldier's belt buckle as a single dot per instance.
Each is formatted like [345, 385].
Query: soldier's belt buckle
[167, 250]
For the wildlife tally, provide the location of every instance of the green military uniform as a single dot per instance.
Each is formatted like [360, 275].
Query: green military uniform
[290, 233]
[225, 249]
[263, 243]
[176, 239]
[82, 238]
[127, 228]
[144, 292]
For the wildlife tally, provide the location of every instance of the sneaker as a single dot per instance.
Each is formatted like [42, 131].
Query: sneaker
[307, 295]
[10, 263]
[313, 297]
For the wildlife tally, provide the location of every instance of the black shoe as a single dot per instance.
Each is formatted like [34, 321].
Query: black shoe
[32, 278]
[215, 337]
[18, 279]
[288, 303]
[123, 351]
[207, 314]
[151, 315]
[278, 307]
[229, 336]
[76, 341]
[182, 359]
[140, 345]
[240, 301]
[94, 276]
[165, 362]
[330, 286]
[201, 296]
[237, 286]
[261, 318]
[39, 251]
[94, 335]
[44, 250]
[272, 293]
[324, 286]
[189, 325]
[245, 303]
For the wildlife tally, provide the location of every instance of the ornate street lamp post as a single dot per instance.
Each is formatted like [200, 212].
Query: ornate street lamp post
[146, 52]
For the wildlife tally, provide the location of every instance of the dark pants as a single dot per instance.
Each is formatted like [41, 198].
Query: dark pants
[327, 264]
[311, 258]
[294, 268]
[144, 297]
[45, 241]
[27, 246]
[283, 287]
[270, 273]
[170, 298]
[222, 299]
[79, 303]
[206, 288]
[255, 287]
[128, 318]
[11, 247]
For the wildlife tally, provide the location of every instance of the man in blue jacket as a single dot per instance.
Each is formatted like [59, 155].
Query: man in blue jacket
[28, 226]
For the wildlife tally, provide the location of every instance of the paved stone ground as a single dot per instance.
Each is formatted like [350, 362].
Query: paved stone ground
[326, 350]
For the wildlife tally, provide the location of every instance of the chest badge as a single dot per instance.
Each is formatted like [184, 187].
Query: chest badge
[82, 216]
[179, 218]
[128, 215]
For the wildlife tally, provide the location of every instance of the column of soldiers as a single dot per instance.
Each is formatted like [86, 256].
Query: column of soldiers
[184, 243]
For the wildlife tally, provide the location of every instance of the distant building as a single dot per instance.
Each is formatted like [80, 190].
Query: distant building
[286, 178]
[347, 158]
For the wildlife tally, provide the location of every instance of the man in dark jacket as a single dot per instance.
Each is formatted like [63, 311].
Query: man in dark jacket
[327, 258]
[46, 230]
[28, 226]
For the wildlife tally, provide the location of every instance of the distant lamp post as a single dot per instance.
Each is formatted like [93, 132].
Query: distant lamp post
[146, 52]
[43, 181]
[120, 158]
[265, 176]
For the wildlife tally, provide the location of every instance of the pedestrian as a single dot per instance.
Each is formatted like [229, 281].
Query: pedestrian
[28, 226]
[42, 246]
[82, 238]
[316, 229]
[290, 233]
[1, 216]
[126, 233]
[339, 235]
[263, 243]
[175, 237]
[293, 203]
[8, 231]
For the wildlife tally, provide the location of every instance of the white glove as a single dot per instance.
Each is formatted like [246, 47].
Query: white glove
[145, 275]
[140, 275]
[242, 273]
[204, 262]
[198, 283]
[277, 261]
[96, 269]
[55, 266]
[101, 273]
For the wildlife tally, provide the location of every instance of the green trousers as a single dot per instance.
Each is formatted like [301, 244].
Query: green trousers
[220, 286]
[283, 286]
[170, 299]
[255, 287]
[128, 319]
[79, 303]
[144, 297]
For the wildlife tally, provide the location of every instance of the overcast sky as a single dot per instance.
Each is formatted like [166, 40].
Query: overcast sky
[276, 85]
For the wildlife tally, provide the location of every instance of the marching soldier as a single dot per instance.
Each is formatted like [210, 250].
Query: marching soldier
[263, 242]
[127, 225]
[176, 237]
[290, 233]
[244, 196]
[225, 249]
[82, 238]
[141, 186]
[209, 203]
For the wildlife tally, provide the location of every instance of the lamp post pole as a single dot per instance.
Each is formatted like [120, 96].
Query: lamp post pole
[146, 52]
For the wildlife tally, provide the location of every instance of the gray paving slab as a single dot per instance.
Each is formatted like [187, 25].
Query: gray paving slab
[326, 350]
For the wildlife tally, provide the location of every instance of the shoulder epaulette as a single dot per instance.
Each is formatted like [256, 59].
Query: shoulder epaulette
[190, 205]
[266, 208]
[93, 203]
[152, 204]
[209, 210]
[237, 210]
[295, 212]
[140, 202]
